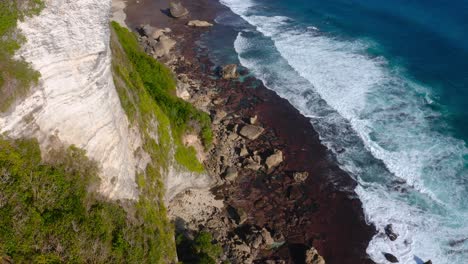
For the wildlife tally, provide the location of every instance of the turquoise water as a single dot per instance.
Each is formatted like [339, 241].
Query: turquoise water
[385, 83]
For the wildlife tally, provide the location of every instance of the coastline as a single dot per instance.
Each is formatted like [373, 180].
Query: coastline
[313, 213]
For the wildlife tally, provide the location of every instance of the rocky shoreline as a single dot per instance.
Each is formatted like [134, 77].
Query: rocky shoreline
[279, 196]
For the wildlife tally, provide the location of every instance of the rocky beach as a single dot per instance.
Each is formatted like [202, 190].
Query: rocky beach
[279, 196]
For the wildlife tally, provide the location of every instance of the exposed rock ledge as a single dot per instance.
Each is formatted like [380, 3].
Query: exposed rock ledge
[76, 102]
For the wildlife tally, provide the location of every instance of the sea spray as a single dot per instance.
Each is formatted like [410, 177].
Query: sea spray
[379, 123]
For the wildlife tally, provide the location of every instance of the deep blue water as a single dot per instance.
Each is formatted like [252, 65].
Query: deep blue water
[429, 38]
[385, 83]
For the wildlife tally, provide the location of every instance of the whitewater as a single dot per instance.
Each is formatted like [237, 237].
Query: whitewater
[381, 125]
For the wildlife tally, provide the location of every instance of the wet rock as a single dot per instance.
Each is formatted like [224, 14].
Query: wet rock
[300, 176]
[391, 258]
[229, 72]
[177, 10]
[231, 174]
[390, 233]
[199, 23]
[251, 132]
[274, 160]
[313, 257]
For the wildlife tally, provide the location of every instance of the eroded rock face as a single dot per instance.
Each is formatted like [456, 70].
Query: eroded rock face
[76, 101]
[391, 258]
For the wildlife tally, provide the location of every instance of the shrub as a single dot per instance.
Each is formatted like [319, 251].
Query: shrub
[200, 250]
[16, 76]
[50, 213]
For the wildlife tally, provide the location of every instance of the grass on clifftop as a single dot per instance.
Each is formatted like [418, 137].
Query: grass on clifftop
[154, 86]
[50, 213]
[16, 76]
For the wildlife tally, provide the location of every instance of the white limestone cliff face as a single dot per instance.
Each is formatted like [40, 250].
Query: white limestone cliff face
[76, 101]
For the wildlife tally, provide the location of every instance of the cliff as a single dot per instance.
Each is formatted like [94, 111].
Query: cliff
[76, 101]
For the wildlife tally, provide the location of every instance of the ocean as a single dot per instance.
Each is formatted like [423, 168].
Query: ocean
[385, 84]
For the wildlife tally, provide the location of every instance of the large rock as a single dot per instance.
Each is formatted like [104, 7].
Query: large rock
[229, 72]
[177, 10]
[274, 160]
[313, 257]
[390, 233]
[251, 132]
[199, 23]
[163, 46]
[391, 258]
[231, 174]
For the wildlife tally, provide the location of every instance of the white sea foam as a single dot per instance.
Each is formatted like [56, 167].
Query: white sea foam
[379, 108]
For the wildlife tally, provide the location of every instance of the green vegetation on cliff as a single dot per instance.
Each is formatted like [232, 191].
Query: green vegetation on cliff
[153, 90]
[50, 212]
[16, 76]
[199, 250]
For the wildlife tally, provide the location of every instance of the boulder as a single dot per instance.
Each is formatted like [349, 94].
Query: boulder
[157, 33]
[251, 132]
[300, 176]
[274, 160]
[256, 241]
[242, 247]
[218, 116]
[252, 165]
[163, 46]
[428, 262]
[199, 23]
[390, 233]
[177, 10]
[231, 174]
[229, 72]
[253, 120]
[146, 30]
[243, 151]
[266, 236]
[313, 257]
[153, 32]
[391, 258]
